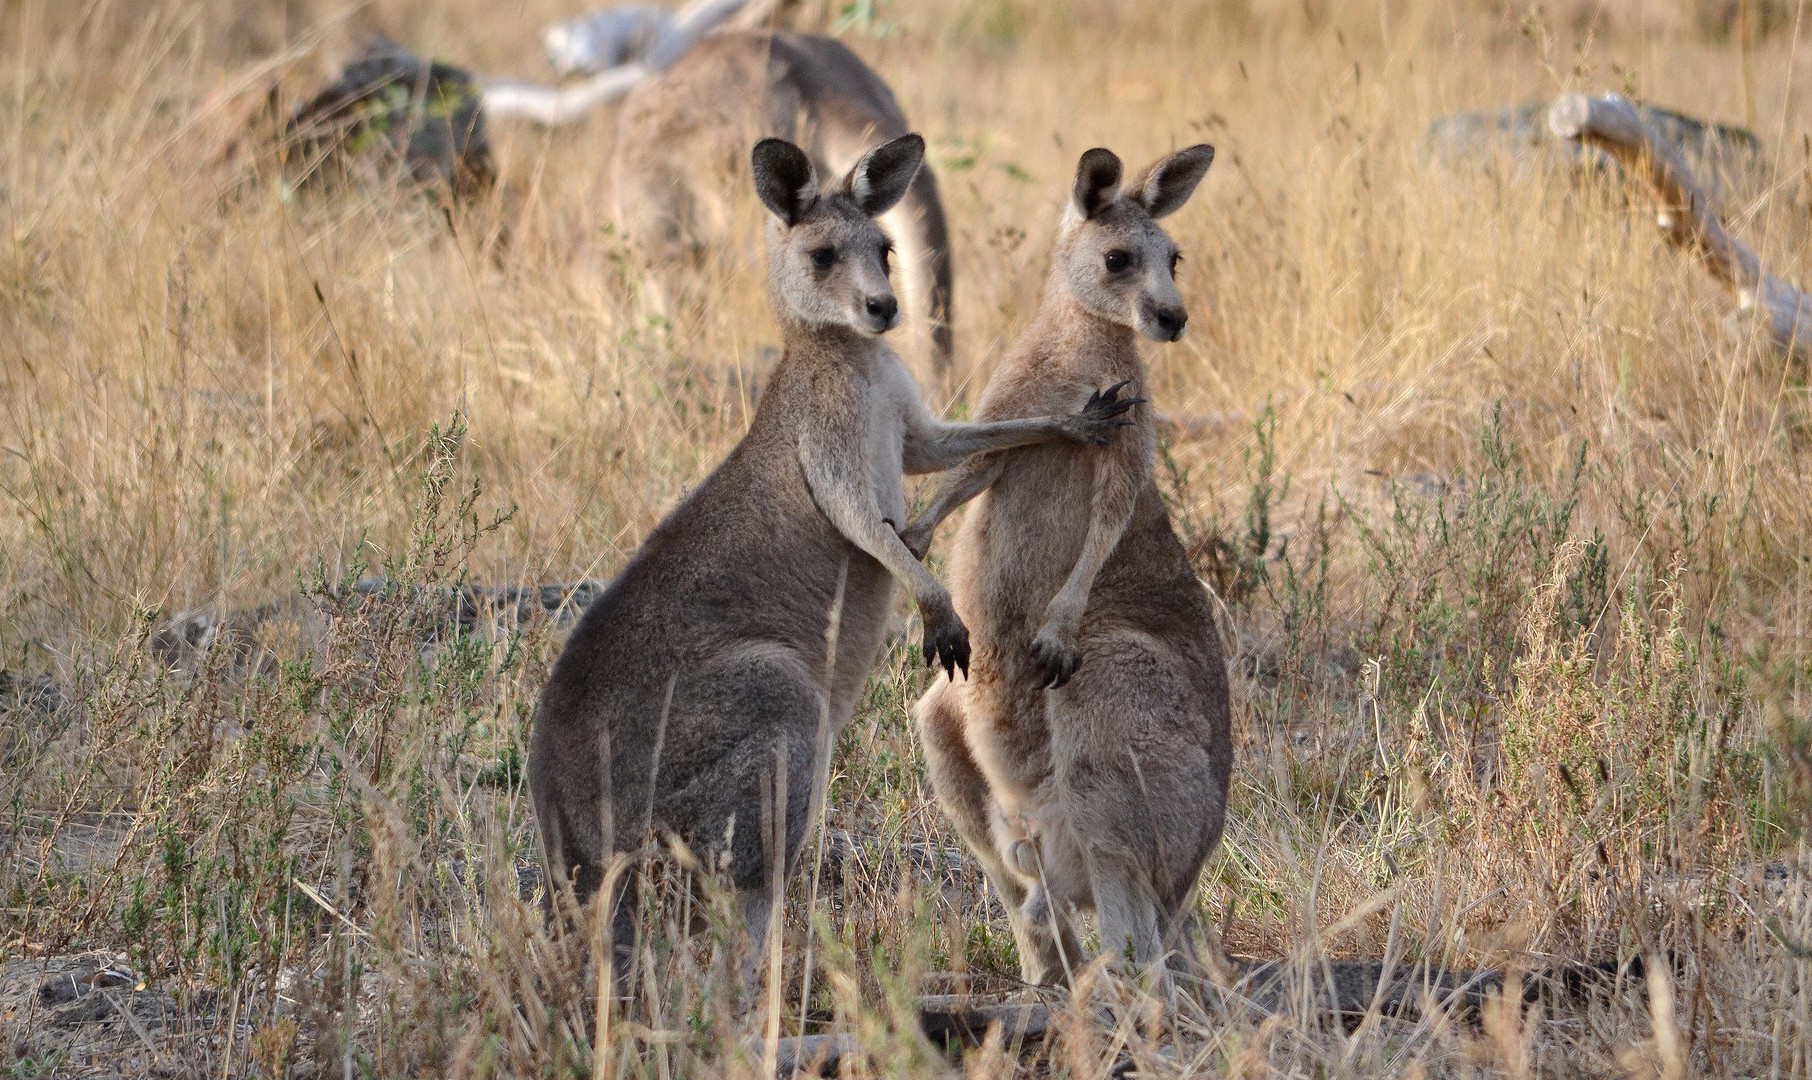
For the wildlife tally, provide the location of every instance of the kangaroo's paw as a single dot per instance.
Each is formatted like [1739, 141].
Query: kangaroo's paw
[916, 535]
[1056, 655]
[946, 641]
[1103, 412]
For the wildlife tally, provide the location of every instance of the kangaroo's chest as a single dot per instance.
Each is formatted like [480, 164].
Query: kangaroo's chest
[1018, 543]
[882, 436]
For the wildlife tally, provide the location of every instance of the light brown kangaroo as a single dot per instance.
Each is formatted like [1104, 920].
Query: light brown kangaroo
[682, 131]
[688, 702]
[1085, 760]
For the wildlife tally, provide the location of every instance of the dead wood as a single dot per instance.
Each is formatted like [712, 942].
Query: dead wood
[1685, 213]
[553, 106]
[1724, 158]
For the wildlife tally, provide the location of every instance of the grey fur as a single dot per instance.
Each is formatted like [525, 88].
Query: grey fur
[680, 131]
[698, 696]
[1086, 760]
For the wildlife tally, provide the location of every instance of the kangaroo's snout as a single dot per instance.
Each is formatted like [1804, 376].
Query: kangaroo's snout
[1163, 322]
[883, 313]
[1169, 323]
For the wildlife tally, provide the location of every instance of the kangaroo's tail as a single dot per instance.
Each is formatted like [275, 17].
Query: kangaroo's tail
[924, 238]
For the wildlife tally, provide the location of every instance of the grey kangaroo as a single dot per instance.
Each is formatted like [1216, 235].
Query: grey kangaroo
[684, 129]
[1085, 760]
[688, 702]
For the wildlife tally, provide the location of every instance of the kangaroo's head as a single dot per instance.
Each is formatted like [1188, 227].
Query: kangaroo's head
[827, 259]
[1117, 262]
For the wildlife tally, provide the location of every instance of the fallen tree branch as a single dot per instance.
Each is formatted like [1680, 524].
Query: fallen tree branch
[553, 106]
[1685, 213]
[653, 52]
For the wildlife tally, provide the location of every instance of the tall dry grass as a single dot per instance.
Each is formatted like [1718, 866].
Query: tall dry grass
[1509, 531]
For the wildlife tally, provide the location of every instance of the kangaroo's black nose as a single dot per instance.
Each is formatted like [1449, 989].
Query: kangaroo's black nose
[1171, 321]
[884, 307]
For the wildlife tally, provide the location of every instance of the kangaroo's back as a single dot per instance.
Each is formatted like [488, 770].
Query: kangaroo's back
[681, 135]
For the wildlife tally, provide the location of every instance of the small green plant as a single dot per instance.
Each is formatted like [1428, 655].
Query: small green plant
[863, 17]
[1236, 562]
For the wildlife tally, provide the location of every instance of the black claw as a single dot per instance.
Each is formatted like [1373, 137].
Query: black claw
[955, 653]
[948, 649]
[1104, 404]
[1057, 668]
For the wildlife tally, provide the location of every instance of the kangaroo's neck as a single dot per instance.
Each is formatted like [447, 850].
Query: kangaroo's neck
[1065, 330]
[820, 344]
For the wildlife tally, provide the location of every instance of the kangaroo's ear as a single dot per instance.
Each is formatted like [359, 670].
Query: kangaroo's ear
[881, 178]
[1097, 181]
[1167, 185]
[785, 179]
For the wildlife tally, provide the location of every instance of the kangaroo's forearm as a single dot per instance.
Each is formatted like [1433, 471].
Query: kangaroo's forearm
[1110, 510]
[1103, 536]
[890, 551]
[947, 445]
[855, 512]
[957, 487]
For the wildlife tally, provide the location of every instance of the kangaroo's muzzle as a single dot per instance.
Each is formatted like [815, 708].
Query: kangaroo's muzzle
[882, 312]
[1163, 322]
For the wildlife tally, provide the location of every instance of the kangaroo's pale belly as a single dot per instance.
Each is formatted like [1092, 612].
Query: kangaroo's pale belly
[1018, 545]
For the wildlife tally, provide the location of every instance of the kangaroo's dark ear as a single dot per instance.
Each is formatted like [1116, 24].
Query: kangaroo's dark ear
[1097, 181]
[785, 179]
[881, 178]
[1167, 185]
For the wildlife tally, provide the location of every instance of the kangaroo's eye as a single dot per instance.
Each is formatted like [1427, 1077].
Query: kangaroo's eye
[1176, 259]
[1117, 261]
[886, 258]
[824, 258]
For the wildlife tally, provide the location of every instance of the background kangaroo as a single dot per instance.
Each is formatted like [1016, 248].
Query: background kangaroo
[692, 697]
[1086, 758]
[682, 131]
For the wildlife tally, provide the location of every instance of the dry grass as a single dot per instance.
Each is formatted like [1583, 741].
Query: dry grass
[1511, 534]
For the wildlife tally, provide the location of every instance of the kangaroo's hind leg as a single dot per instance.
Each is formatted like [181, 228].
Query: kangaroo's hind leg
[1046, 944]
[1131, 931]
[755, 719]
[1146, 804]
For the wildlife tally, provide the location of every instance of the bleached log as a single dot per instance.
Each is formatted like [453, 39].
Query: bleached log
[553, 106]
[1685, 213]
